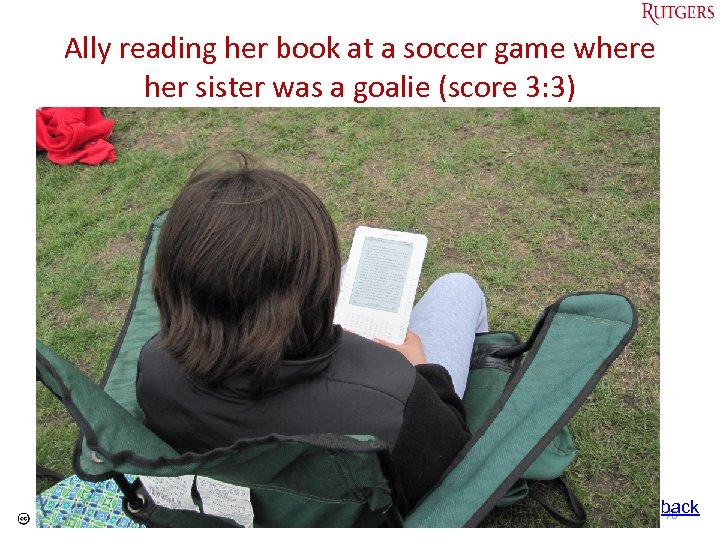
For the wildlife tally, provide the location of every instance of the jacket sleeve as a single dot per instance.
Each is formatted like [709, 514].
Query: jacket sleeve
[432, 434]
[439, 378]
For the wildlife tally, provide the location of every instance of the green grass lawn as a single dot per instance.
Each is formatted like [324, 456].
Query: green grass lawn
[534, 203]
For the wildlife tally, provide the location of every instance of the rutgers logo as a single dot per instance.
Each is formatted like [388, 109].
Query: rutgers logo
[657, 12]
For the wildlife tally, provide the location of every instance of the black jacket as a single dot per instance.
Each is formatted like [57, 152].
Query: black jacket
[356, 387]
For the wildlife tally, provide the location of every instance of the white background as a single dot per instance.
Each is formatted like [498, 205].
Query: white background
[681, 80]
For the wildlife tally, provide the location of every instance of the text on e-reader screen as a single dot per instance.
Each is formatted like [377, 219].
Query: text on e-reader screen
[380, 278]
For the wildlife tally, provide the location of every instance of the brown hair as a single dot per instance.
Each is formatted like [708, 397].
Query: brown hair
[247, 272]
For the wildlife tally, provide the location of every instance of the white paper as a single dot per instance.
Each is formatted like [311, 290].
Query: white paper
[171, 492]
[218, 498]
[226, 500]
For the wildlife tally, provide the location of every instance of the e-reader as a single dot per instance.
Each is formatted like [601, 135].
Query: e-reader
[379, 283]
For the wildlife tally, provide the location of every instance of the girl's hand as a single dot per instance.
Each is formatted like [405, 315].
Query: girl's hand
[411, 349]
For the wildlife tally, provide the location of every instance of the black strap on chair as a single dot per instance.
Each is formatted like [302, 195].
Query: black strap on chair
[521, 348]
[134, 499]
[44, 472]
[579, 515]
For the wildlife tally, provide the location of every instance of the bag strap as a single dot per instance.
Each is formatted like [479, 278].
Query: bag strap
[44, 472]
[579, 514]
[570, 349]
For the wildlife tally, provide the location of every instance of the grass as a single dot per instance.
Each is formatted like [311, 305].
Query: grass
[534, 203]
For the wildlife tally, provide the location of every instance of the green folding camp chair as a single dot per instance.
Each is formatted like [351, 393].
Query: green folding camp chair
[519, 398]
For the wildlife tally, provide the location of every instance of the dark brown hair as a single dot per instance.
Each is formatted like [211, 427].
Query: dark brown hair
[247, 271]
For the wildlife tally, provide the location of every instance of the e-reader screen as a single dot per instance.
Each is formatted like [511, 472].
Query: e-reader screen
[380, 278]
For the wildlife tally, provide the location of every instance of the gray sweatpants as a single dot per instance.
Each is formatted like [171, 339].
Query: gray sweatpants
[446, 318]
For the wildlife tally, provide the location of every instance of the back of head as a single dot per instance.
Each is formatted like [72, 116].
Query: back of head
[247, 271]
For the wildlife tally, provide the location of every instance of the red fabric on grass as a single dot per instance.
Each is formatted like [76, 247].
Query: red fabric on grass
[74, 134]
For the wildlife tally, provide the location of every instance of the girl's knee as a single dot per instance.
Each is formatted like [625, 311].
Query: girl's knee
[462, 283]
